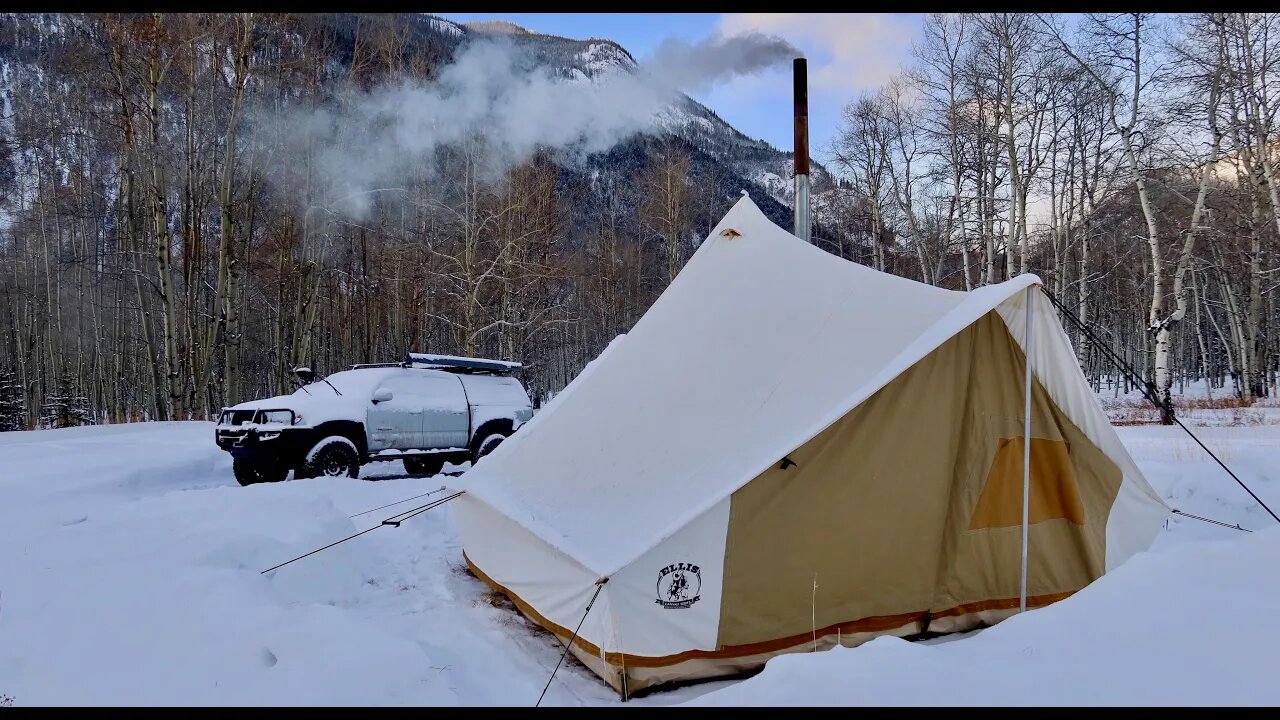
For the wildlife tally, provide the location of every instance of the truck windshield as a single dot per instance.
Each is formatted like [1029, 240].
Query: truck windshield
[235, 417]
[351, 382]
[275, 417]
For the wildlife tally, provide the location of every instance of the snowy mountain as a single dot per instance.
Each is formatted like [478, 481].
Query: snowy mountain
[718, 150]
[761, 169]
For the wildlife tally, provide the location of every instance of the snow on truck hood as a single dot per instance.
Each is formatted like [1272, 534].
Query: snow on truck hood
[314, 409]
[318, 403]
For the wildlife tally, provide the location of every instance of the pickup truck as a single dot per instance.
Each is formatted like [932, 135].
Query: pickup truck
[425, 411]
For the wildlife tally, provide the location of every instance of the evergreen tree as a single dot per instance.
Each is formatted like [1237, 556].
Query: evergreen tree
[66, 407]
[13, 410]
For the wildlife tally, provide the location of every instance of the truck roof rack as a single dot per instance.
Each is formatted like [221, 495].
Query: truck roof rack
[362, 366]
[454, 363]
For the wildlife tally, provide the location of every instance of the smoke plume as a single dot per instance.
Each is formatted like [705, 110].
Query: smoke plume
[367, 141]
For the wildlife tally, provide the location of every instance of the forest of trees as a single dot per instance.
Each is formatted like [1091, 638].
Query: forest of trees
[1129, 159]
[162, 256]
[163, 263]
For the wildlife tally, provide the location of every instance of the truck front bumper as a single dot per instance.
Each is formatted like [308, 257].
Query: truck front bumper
[285, 446]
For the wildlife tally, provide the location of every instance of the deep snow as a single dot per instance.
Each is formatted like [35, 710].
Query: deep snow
[129, 574]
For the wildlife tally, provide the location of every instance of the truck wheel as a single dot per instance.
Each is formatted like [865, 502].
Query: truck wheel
[333, 456]
[250, 472]
[423, 465]
[486, 446]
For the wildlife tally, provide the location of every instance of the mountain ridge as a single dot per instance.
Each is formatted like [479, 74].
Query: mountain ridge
[766, 167]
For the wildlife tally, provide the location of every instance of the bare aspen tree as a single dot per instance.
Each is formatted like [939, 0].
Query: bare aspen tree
[946, 40]
[666, 181]
[1118, 44]
[225, 320]
[903, 149]
[157, 63]
[1211, 71]
[860, 149]
[1252, 49]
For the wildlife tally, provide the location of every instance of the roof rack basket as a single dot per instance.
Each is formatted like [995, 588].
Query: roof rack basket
[453, 363]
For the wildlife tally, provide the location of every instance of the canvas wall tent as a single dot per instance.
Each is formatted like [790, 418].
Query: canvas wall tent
[791, 450]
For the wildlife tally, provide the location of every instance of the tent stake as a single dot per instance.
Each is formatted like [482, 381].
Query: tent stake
[1026, 457]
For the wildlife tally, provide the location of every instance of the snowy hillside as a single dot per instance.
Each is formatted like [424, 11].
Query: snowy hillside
[130, 575]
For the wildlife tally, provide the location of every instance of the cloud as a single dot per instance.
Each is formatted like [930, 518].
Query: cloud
[368, 142]
[847, 52]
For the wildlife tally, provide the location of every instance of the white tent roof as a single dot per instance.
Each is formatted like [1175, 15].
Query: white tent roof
[761, 342]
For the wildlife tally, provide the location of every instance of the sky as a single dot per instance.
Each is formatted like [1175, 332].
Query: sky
[847, 52]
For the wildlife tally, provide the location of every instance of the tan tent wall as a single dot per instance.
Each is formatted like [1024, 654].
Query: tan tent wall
[878, 508]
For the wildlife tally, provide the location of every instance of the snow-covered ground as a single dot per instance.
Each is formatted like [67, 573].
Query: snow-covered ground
[129, 574]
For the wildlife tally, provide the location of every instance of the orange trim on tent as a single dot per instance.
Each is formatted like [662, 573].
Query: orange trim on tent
[870, 624]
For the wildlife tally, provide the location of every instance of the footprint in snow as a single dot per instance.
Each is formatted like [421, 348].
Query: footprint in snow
[269, 658]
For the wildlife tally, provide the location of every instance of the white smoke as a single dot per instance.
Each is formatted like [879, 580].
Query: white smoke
[493, 90]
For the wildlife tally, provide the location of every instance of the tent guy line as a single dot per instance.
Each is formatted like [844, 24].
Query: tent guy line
[391, 521]
[599, 585]
[419, 510]
[1147, 393]
[1214, 522]
[383, 507]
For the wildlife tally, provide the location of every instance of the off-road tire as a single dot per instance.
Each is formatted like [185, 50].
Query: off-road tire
[424, 466]
[252, 472]
[486, 446]
[334, 456]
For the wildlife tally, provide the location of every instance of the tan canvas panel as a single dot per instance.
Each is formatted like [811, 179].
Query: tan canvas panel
[1064, 556]
[1054, 493]
[873, 519]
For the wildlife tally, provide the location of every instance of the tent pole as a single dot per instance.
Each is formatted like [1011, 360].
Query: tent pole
[1026, 458]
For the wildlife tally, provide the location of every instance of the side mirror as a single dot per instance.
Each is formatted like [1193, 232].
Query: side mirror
[305, 374]
[381, 395]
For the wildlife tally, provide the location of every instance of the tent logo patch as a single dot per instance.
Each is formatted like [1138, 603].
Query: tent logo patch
[679, 586]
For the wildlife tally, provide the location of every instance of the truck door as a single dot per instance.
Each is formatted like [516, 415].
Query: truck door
[396, 424]
[446, 416]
